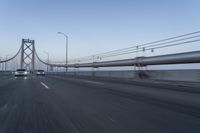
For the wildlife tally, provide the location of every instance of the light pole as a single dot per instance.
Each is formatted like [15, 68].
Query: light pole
[1, 68]
[47, 60]
[0, 64]
[66, 47]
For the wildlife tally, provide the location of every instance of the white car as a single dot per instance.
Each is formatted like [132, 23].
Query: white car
[21, 72]
[40, 73]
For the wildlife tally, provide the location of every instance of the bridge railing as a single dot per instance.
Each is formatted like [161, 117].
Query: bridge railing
[182, 43]
[144, 54]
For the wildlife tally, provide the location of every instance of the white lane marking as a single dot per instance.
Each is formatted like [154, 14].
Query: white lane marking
[44, 85]
[93, 82]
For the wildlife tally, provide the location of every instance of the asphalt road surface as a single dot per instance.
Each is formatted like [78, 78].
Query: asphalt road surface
[67, 105]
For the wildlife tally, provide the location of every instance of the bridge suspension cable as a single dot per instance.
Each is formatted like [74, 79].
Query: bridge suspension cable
[169, 42]
[11, 58]
[149, 48]
[47, 63]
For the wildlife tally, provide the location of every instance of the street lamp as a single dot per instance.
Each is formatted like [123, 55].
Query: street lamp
[66, 47]
[0, 64]
[47, 60]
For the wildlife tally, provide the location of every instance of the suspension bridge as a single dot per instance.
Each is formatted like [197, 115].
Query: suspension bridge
[29, 57]
[109, 92]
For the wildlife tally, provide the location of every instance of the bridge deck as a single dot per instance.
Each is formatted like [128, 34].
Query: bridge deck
[61, 105]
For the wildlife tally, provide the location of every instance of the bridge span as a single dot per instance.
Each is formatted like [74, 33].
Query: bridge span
[89, 99]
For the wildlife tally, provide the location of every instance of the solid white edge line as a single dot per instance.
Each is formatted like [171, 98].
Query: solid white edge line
[44, 85]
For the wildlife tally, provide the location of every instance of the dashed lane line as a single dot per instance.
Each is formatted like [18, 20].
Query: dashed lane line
[44, 85]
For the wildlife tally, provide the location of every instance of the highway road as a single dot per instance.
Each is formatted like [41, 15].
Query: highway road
[55, 104]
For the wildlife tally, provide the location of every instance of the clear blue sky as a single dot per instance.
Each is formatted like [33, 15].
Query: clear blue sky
[93, 26]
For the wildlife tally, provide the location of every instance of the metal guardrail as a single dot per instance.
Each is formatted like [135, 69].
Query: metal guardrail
[180, 58]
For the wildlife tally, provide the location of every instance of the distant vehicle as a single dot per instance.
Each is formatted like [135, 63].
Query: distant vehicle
[21, 72]
[40, 73]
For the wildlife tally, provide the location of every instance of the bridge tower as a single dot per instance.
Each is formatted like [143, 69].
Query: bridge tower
[28, 54]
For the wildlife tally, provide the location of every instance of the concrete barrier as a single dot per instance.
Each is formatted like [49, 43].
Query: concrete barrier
[5, 73]
[168, 75]
[176, 75]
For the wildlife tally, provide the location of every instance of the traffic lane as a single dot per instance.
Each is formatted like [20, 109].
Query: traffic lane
[4, 78]
[93, 109]
[30, 109]
[7, 88]
[157, 84]
[52, 116]
[9, 96]
[178, 100]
